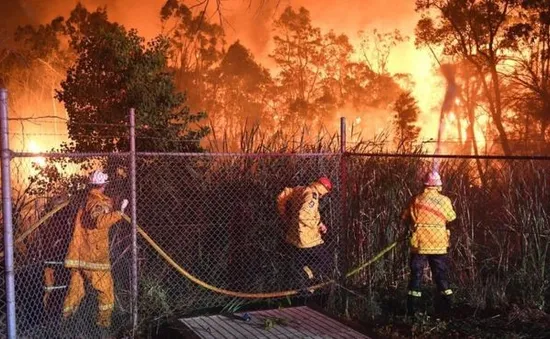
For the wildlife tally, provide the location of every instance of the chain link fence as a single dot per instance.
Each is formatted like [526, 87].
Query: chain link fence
[497, 246]
[47, 193]
[211, 235]
[212, 218]
[216, 217]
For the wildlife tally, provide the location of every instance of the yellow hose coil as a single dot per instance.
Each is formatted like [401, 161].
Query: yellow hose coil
[196, 280]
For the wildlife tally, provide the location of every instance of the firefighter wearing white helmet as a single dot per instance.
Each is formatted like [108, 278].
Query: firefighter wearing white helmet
[88, 253]
[428, 215]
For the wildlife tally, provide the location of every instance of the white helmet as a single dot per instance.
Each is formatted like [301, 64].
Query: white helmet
[99, 178]
[433, 179]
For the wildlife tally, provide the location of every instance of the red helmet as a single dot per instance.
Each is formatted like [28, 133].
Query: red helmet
[325, 182]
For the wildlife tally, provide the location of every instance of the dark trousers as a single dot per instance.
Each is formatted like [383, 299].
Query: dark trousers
[317, 259]
[439, 266]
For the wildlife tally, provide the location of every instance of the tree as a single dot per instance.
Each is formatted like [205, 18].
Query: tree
[298, 53]
[407, 112]
[238, 94]
[529, 39]
[375, 48]
[474, 31]
[113, 72]
[196, 45]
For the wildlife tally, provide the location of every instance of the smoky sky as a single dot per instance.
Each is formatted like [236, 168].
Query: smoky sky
[250, 21]
[246, 20]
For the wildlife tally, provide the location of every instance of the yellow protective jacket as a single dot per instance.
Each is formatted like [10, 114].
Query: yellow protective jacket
[429, 213]
[89, 246]
[299, 207]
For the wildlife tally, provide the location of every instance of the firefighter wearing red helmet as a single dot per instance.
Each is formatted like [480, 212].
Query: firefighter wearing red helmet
[299, 208]
[428, 215]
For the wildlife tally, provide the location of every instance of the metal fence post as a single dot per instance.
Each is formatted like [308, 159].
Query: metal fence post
[7, 215]
[343, 186]
[343, 176]
[133, 211]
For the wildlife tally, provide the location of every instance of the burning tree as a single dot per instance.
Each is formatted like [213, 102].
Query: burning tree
[407, 111]
[474, 31]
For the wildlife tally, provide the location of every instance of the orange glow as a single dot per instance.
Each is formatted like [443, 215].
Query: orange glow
[451, 117]
[34, 148]
[250, 22]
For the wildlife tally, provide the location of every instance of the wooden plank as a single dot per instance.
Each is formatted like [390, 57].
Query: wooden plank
[219, 326]
[199, 329]
[324, 320]
[286, 330]
[299, 314]
[245, 329]
[326, 324]
[297, 322]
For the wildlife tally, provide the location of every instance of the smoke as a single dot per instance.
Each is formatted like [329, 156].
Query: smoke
[250, 21]
[246, 20]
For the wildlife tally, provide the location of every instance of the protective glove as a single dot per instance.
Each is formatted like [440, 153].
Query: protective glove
[123, 205]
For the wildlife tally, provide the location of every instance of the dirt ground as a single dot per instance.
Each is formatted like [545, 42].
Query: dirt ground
[466, 322]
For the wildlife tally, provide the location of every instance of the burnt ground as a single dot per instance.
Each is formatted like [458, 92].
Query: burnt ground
[466, 322]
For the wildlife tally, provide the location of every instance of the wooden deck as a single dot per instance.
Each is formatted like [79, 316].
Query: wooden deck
[294, 322]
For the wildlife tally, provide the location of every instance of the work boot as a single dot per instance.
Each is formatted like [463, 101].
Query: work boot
[445, 307]
[412, 305]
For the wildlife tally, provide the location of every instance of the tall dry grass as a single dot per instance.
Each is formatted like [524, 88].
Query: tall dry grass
[216, 216]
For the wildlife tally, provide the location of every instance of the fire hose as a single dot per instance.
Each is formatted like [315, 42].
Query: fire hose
[202, 283]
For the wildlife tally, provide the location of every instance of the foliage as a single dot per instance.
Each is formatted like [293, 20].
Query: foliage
[196, 46]
[114, 71]
[317, 76]
[474, 31]
[238, 96]
[407, 111]
[529, 39]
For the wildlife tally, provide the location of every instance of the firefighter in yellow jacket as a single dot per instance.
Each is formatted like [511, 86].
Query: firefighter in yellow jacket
[88, 253]
[428, 215]
[299, 208]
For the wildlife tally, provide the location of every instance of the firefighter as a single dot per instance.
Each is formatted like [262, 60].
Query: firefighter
[428, 215]
[299, 208]
[88, 253]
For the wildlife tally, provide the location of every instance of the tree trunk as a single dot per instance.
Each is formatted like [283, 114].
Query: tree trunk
[495, 106]
[472, 137]
[497, 114]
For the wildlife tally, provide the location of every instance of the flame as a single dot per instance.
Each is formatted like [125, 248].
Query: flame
[34, 148]
[452, 117]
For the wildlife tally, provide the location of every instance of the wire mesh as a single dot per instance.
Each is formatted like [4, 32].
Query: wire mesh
[496, 246]
[216, 216]
[43, 232]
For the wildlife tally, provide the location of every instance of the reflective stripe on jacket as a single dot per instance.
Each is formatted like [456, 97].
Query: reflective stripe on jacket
[430, 212]
[89, 246]
[299, 206]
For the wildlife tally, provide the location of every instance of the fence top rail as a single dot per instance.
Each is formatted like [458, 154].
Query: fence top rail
[245, 155]
[449, 156]
[67, 155]
[275, 154]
